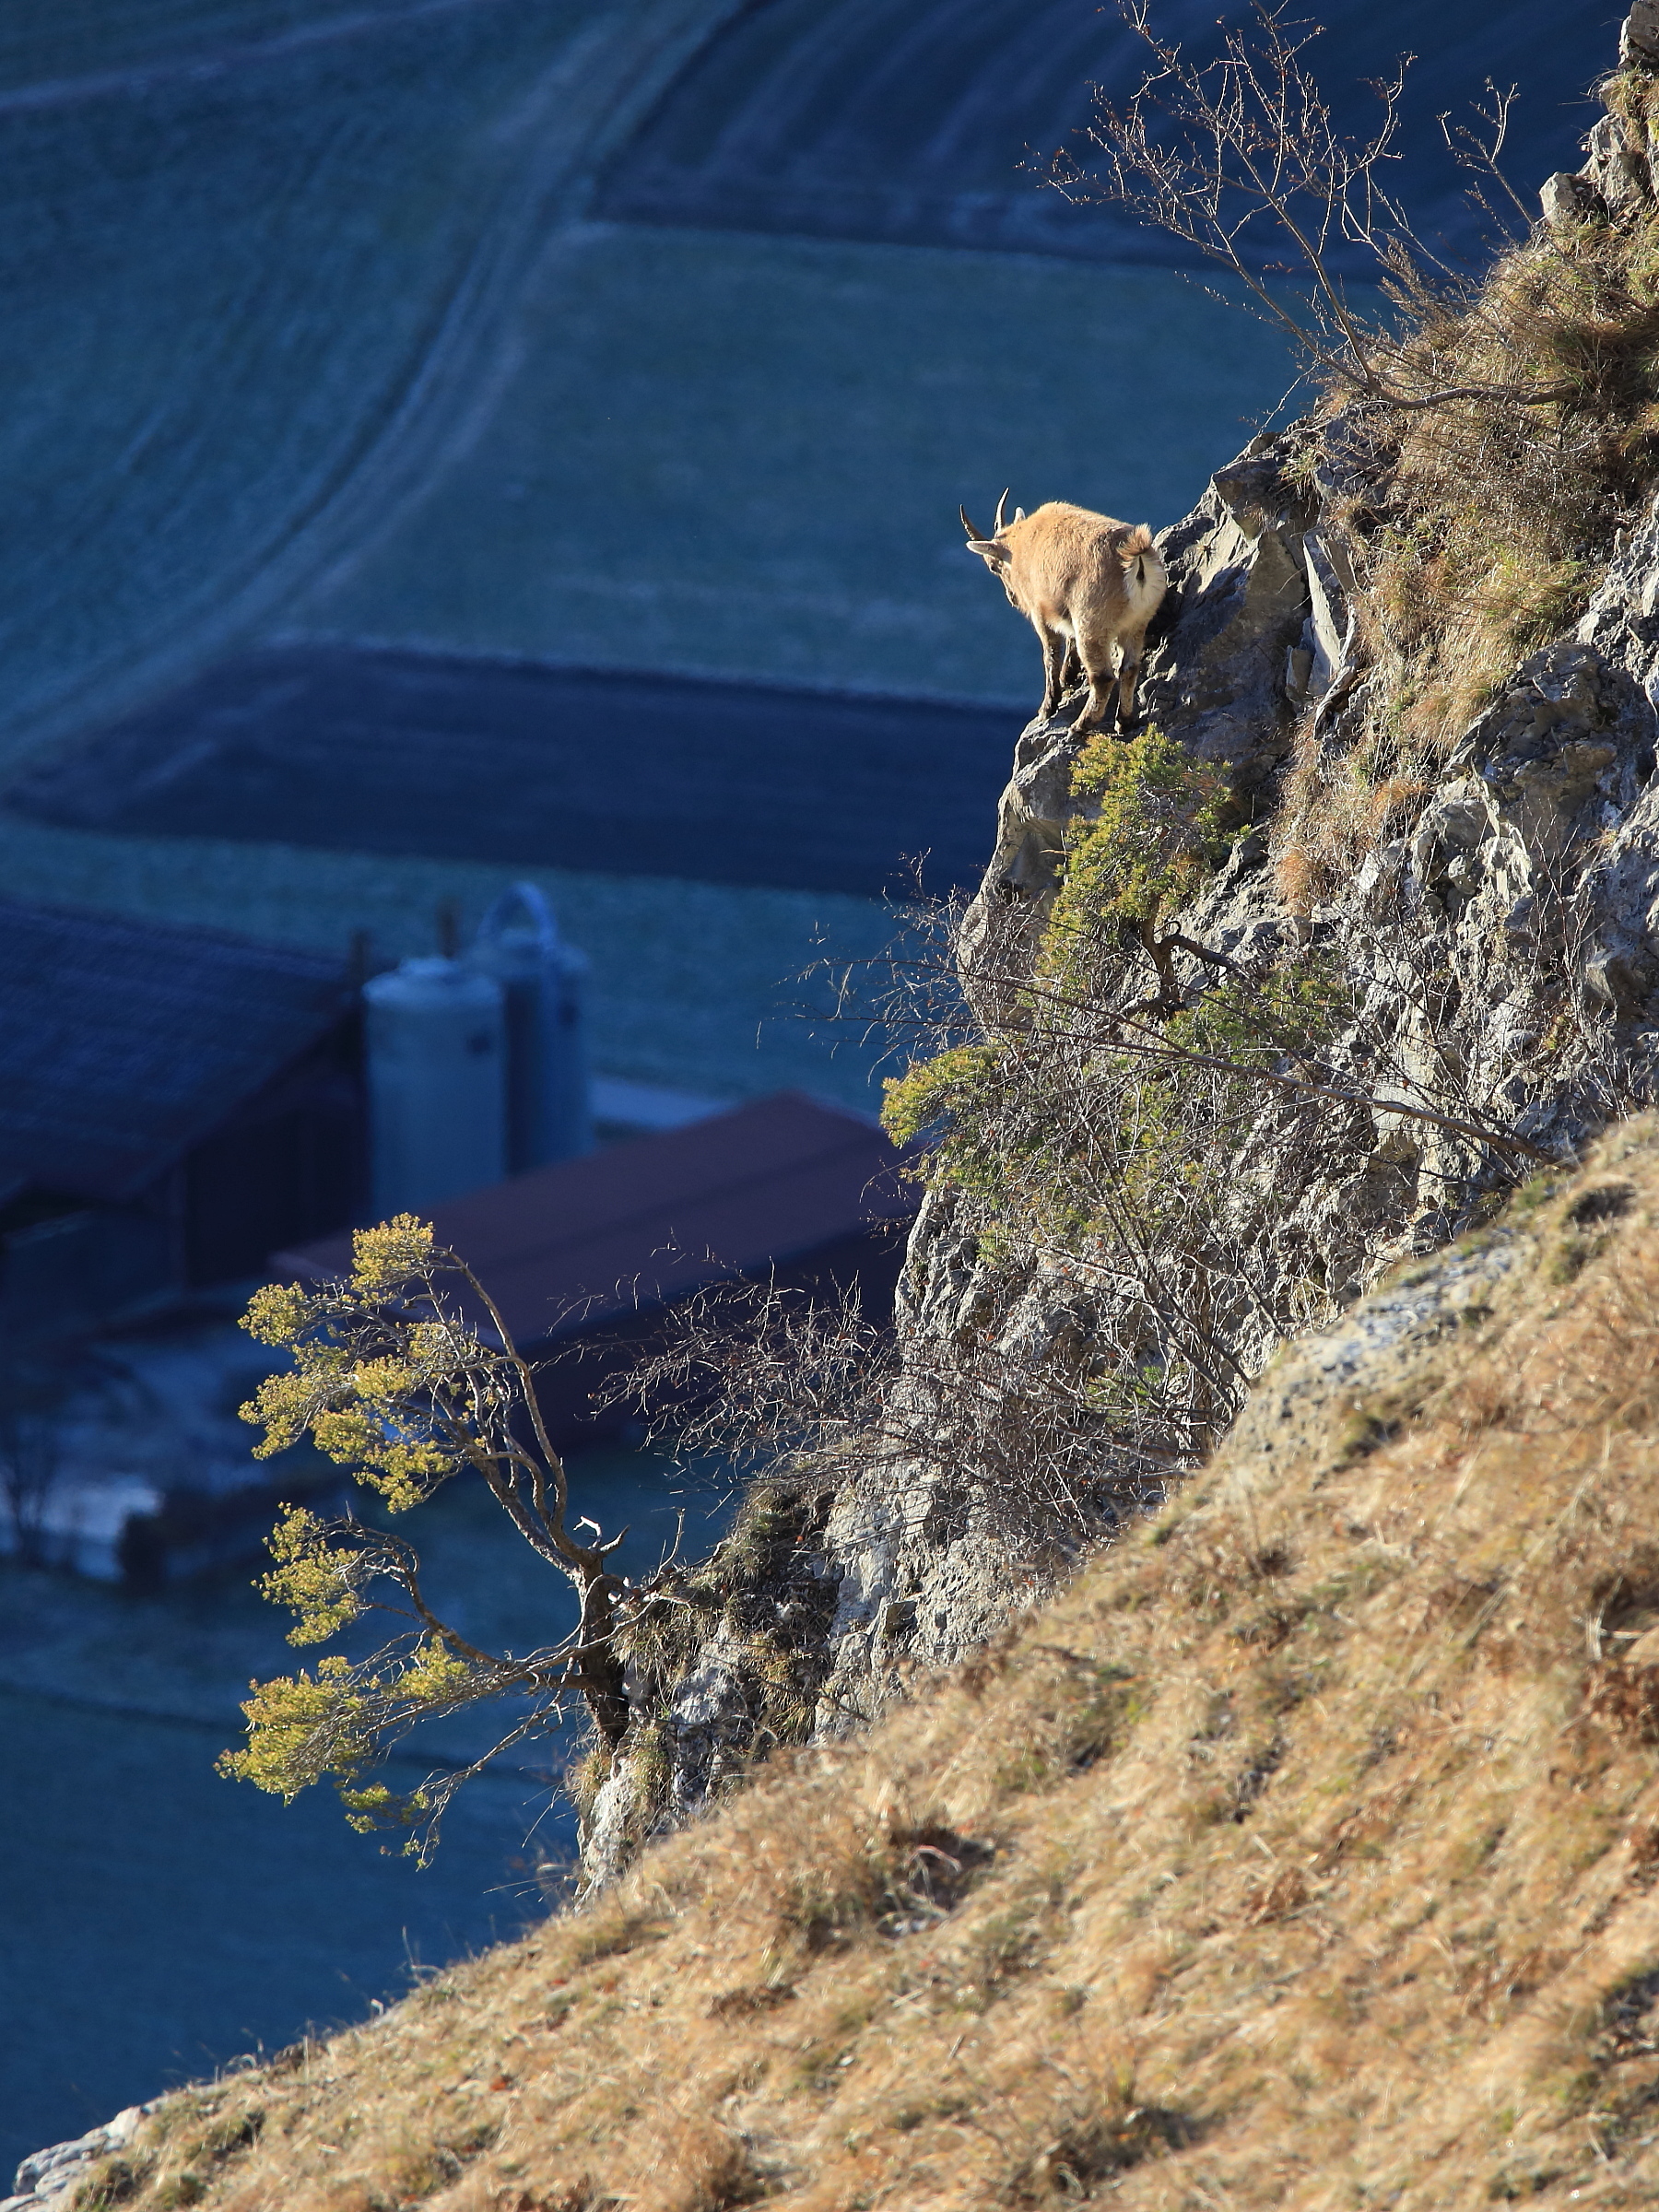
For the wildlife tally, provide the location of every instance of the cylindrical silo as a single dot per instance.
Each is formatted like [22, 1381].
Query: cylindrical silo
[544, 983]
[437, 1083]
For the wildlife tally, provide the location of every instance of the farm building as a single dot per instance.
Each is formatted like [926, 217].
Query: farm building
[174, 1103]
[587, 1255]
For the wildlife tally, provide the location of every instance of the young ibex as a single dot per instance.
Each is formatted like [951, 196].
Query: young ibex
[1088, 586]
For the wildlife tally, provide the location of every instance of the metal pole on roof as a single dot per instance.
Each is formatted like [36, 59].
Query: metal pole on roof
[544, 985]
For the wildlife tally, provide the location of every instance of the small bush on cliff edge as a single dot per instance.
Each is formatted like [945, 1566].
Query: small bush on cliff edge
[1154, 823]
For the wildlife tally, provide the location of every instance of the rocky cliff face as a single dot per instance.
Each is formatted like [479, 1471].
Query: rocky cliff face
[1499, 943]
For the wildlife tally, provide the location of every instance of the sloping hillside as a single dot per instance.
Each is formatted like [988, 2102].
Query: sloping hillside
[1302, 1853]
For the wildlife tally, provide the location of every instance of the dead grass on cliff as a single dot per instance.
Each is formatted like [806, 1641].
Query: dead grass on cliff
[1486, 518]
[1304, 1853]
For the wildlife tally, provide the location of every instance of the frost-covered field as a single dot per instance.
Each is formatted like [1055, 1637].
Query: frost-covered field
[736, 454]
[306, 335]
[272, 269]
[254, 264]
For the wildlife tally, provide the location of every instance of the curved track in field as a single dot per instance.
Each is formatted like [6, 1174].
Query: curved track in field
[266, 265]
[919, 120]
[255, 286]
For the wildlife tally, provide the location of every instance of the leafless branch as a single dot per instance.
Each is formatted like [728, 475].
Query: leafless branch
[1240, 159]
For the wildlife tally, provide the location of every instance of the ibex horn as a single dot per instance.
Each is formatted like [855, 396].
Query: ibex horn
[969, 526]
[996, 527]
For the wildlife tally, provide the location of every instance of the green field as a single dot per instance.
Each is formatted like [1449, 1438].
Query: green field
[743, 455]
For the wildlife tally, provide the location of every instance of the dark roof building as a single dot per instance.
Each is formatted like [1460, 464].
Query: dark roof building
[181, 1093]
[124, 1043]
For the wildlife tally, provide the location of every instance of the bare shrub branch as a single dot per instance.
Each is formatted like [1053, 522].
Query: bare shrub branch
[1241, 160]
[810, 1395]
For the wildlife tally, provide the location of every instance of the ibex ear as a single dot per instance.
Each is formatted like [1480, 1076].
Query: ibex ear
[989, 550]
[1019, 514]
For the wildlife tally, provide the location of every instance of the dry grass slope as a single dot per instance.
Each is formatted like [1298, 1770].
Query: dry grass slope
[1480, 525]
[1304, 1853]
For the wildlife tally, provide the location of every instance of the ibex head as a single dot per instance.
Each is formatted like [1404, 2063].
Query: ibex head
[995, 551]
[992, 550]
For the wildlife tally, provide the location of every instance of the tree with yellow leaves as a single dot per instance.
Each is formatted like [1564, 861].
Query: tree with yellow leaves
[392, 1379]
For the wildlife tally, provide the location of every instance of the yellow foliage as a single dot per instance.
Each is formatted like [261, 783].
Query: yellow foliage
[390, 1254]
[286, 1404]
[277, 1313]
[299, 1730]
[375, 1416]
[310, 1577]
[381, 1383]
[385, 1380]
[376, 1807]
[436, 1675]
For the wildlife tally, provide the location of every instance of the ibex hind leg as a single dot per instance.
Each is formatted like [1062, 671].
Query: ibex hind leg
[1056, 651]
[1125, 713]
[1134, 648]
[1098, 658]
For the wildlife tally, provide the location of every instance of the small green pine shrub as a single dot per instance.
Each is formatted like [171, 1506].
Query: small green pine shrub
[1156, 823]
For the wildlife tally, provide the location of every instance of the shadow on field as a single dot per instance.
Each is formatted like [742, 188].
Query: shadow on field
[478, 759]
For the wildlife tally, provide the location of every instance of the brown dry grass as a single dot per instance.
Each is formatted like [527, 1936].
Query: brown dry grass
[1304, 1853]
[1487, 519]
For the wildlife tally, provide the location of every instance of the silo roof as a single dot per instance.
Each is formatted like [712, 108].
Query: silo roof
[124, 1043]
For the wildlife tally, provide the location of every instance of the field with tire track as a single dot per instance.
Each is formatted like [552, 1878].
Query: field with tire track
[255, 265]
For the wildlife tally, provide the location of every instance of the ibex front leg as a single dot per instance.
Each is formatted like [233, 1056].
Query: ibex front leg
[1055, 650]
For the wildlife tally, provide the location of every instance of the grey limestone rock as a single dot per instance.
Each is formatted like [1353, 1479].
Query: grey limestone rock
[46, 2178]
[1382, 1346]
[1639, 34]
[1568, 199]
[1239, 600]
[1618, 169]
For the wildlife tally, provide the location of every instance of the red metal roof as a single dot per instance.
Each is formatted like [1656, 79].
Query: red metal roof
[646, 1222]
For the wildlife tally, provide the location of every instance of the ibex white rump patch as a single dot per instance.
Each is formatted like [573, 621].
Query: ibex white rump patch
[1088, 586]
